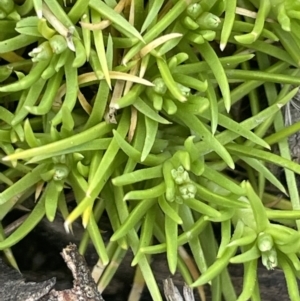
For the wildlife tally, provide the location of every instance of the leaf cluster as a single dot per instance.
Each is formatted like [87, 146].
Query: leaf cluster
[130, 105]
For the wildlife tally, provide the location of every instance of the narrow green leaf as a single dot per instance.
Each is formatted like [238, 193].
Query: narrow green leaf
[196, 125]
[32, 220]
[251, 152]
[100, 48]
[138, 176]
[155, 6]
[258, 208]
[51, 195]
[123, 25]
[216, 67]
[264, 171]
[171, 230]
[151, 131]
[236, 127]
[142, 107]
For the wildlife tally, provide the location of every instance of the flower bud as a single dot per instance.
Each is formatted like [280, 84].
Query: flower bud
[58, 44]
[180, 175]
[208, 21]
[194, 10]
[42, 53]
[159, 86]
[269, 259]
[7, 6]
[265, 242]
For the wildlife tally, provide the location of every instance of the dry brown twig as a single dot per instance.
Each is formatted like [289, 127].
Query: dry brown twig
[172, 293]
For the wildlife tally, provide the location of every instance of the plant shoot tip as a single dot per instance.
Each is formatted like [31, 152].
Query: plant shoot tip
[39, 14]
[67, 226]
[222, 46]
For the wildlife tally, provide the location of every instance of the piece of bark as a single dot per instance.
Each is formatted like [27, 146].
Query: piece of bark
[14, 288]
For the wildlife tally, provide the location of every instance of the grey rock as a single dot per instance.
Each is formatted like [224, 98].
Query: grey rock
[14, 288]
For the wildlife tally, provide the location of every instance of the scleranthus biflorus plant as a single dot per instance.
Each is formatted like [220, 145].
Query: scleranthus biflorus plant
[131, 105]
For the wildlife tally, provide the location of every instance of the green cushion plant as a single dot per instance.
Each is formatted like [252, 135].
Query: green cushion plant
[128, 105]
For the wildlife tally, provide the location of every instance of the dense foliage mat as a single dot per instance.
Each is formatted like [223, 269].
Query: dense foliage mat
[161, 115]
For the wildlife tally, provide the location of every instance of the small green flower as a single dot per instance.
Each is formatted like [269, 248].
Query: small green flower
[61, 172]
[187, 191]
[180, 176]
